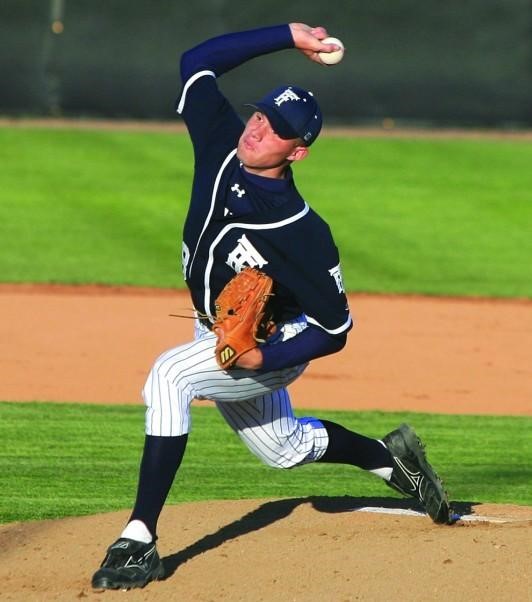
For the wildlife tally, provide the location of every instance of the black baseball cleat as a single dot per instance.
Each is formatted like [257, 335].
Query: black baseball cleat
[128, 564]
[413, 476]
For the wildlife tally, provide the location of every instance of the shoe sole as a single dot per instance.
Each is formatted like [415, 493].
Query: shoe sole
[414, 445]
[107, 583]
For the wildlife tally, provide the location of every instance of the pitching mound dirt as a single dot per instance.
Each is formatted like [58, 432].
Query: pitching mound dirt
[310, 549]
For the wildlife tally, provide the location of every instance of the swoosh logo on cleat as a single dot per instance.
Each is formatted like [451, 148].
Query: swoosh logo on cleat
[140, 561]
[415, 478]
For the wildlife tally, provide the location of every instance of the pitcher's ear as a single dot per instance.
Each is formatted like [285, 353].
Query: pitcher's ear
[299, 153]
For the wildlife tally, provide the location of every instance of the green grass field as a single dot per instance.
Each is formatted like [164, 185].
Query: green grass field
[83, 459]
[441, 217]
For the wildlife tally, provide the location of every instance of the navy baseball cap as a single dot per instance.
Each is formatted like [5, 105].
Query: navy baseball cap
[292, 112]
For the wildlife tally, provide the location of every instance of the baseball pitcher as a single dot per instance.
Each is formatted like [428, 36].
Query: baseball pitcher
[256, 335]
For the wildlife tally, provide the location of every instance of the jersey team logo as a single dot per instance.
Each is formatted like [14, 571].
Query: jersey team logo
[245, 254]
[336, 273]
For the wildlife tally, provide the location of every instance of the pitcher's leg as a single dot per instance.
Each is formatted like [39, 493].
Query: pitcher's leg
[271, 431]
[348, 447]
[177, 377]
[160, 460]
[168, 391]
[167, 395]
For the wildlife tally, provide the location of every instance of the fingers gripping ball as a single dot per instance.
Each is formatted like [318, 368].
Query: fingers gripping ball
[331, 58]
[240, 310]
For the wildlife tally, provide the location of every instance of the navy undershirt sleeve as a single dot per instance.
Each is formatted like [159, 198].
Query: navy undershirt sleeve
[308, 345]
[223, 53]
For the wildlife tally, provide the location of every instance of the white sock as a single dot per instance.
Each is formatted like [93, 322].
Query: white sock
[138, 531]
[385, 472]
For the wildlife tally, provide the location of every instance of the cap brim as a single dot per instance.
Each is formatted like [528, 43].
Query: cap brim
[279, 125]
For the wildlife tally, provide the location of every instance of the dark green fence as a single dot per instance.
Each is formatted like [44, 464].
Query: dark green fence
[464, 62]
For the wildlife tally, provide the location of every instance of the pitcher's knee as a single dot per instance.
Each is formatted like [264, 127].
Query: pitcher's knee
[157, 379]
[167, 398]
[167, 372]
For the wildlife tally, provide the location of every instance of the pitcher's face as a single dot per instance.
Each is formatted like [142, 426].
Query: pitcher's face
[263, 152]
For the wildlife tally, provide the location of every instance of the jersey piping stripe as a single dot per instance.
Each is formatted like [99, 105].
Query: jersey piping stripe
[188, 83]
[224, 231]
[213, 200]
[343, 327]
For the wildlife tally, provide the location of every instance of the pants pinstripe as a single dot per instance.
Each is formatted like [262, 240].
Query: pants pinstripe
[255, 405]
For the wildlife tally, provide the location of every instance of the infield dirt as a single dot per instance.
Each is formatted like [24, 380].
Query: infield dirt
[95, 344]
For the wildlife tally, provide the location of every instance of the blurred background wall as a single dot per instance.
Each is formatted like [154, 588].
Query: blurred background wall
[460, 62]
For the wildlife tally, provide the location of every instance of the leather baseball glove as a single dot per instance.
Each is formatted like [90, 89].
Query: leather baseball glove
[240, 315]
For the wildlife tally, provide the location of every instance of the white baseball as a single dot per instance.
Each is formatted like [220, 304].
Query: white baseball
[331, 58]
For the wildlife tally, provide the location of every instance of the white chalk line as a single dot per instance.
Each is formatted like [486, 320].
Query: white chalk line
[467, 518]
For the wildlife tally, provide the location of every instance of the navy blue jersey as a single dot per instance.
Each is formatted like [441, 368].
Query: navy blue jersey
[238, 219]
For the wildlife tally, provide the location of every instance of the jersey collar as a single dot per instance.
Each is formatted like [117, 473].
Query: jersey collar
[269, 184]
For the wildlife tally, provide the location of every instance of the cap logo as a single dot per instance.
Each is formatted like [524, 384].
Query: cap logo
[285, 96]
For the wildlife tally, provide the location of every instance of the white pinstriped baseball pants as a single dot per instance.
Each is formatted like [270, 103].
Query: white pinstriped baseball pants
[255, 405]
